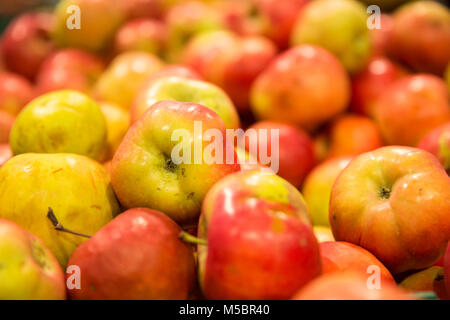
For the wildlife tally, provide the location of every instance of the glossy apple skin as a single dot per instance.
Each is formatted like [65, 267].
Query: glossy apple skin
[371, 81]
[306, 86]
[69, 69]
[438, 143]
[348, 286]
[6, 124]
[25, 43]
[318, 185]
[295, 149]
[5, 153]
[388, 201]
[146, 176]
[410, 108]
[342, 256]
[136, 256]
[29, 270]
[258, 233]
[421, 36]
[15, 92]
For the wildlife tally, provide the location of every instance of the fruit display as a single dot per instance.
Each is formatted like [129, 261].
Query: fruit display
[224, 150]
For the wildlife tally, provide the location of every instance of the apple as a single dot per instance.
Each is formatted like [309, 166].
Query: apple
[296, 156]
[185, 90]
[318, 185]
[77, 188]
[15, 92]
[69, 69]
[410, 108]
[173, 70]
[6, 124]
[145, 8]
[421, 36]
[338, 26]
[428, 280]
[447, 76]
[230, 61]
[385, 4]
[25, 43]
[138, 255]
[389, 201]
[249, 162]
[323, 233]
[145, 170]
[371, 81]
[257, 232]
[29, 269]
[447, 269]
[141, 34]
[64, 121]
[348, 285]
[98, 20]
[438, 143]
[306, 86]
[5, 153]
[381, 37]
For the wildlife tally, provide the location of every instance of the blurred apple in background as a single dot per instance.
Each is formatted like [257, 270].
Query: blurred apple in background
[385, 4]
[6, 124]
[138, 255]
[145, 8]
[5, 153]
[15, 92]
[25, 43]
[438, 143]
[306, 86]
[69, 69]
[29, 270]
[381, 37]
[411, 107]
[257, 230]
[428, 280]
[338, 26]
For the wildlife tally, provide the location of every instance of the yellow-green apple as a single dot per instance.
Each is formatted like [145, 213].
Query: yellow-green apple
[25, 43]
[141, 34]
[138, 255]
[6, 124]
[5, 153]
[318, 185]
[77, 188]
[412, 106]
[74, 69]
[306, 85]
[15, 92]
[371, 81]
[388, 201]
[29, 271]
[86, 24]
[339, 26]
[257, 231]
[230, 61]
[185, 90]
[65, 121]
[438, 143]
[164, 163]
[421, 36]
[381, 36]
[428, 280]
[323, 233]
[123, 77]
[294, 154]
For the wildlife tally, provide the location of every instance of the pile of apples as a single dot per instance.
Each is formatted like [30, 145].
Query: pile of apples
[92, 206]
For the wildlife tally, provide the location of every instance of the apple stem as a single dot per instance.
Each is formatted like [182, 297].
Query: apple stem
[58, 226]
[189, 238]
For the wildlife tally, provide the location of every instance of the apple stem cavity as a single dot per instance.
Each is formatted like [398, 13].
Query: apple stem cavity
[189, 238]
[58, 226]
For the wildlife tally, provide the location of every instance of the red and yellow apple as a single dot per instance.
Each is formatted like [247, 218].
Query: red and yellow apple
[438, 143]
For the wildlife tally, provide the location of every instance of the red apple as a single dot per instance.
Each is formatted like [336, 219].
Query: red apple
[438, 143]
[144, 8]
[138, 255]
[5, 153]
[15, 92]
[382, 36]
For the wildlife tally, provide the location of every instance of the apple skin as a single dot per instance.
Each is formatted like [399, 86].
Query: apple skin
[185, 90]
[371, 81]
[341, 256]
[295, 150]
[338, 26]
[388, 201]
[138, 255]
[124, 76]
[25, 43]
[323, 233]
[306, 86]
[74, 69]
[77, 188]
[232, 62]
[64, 121]
[29, 270]
[381, 38]
[6, 125]
[15, 92]
[5, 153]
[348, 285]
[438, 143]
[447, 269]
[148, 177]
[410, 108]
[258, 233]
[430, 279]
[318, 185]
[421, 36]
